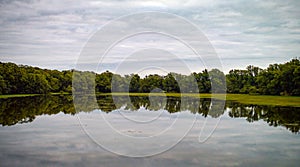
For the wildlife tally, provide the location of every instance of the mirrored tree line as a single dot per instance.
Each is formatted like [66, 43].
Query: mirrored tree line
[288, 117]
[26, 109]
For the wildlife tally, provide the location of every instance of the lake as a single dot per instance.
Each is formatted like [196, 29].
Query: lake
[146, 131]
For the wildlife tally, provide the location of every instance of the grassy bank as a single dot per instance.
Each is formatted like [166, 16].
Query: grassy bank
[17, 95]
[242, 98]
[265, 100]
[27, 95]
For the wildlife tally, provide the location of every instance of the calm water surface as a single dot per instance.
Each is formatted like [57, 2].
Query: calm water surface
[47, 131]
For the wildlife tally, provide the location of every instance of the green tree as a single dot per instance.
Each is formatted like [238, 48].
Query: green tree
[103, 82]
[170, 84]
[134, 85]
[218, 81]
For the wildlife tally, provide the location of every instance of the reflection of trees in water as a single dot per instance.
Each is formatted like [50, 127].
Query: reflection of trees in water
[288, 117]
[171, 104]
[86, 103]
[25, 109]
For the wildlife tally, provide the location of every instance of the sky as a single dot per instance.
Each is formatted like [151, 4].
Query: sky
[53, 33]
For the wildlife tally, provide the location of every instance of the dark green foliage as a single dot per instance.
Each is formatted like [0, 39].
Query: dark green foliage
[203, 81]
[150, 83]
[134, 85]
[170, 84]
[103, 82]
[22, 79]
[277, 79]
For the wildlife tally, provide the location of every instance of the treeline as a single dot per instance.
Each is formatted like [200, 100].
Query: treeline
[22, 79]
[171, 83]
[277, 79]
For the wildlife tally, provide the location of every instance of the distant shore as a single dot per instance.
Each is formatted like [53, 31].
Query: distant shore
[293, 101]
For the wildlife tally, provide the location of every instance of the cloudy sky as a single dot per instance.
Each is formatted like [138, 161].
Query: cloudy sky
[52, 33]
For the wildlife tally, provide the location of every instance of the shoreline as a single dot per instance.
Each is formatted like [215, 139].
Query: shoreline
[292, 101]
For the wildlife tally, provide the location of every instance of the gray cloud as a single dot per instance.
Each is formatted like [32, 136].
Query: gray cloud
[51, 33]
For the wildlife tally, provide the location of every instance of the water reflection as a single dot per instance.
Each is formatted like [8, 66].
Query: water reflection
[288, 117]
[25, 109]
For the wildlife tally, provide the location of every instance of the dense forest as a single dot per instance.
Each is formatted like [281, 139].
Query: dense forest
[277, 79]
[20, 79]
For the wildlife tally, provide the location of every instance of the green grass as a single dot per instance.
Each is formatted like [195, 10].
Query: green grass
[241, 98]
[17, 95]
[26, 95]
[265, 100]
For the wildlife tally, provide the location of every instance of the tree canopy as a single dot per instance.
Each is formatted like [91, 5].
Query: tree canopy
[277, 79]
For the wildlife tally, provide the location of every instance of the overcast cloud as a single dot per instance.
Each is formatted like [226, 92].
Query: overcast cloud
[51, 33]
